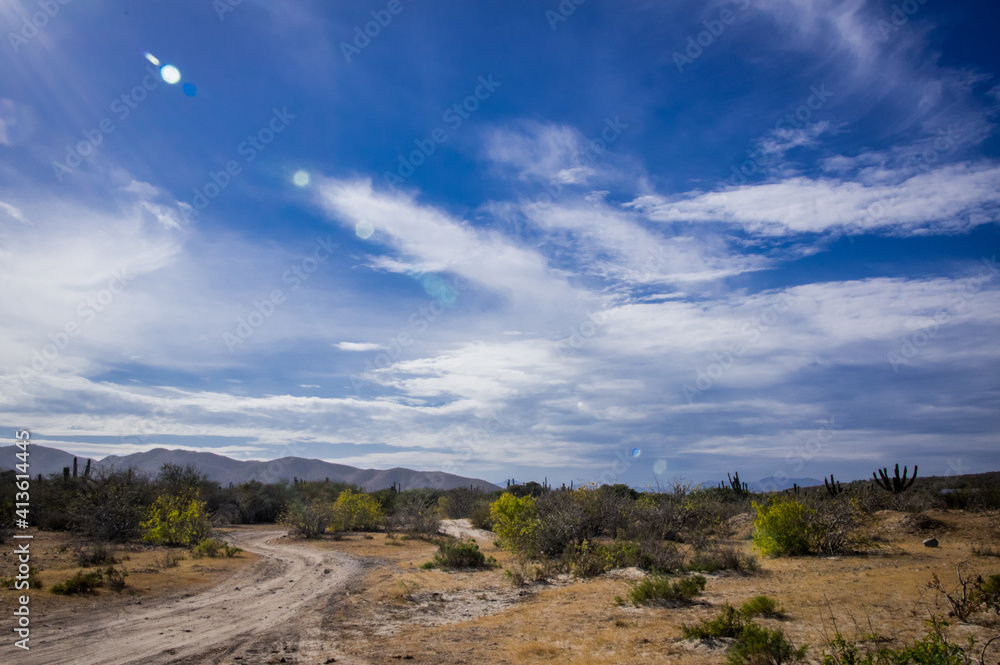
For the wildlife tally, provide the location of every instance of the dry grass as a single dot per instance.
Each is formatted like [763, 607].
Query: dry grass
[577, 621]
[55, 554]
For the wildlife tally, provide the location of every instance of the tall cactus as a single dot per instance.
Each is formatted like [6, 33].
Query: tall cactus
[896, 485]
[833, 487]
[741, 489]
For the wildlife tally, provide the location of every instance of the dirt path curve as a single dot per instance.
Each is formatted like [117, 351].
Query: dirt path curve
[278, 600]
[463, 528]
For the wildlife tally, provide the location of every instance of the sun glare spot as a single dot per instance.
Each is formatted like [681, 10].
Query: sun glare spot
[364, 229]
[660, 466]
[301, 178]
[153, 59]
[170, 74]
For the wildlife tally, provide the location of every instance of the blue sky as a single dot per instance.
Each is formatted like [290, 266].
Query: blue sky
[607, 241]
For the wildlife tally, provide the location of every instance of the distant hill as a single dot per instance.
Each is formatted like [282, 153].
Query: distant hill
[772, 484]
[41, 460]
[225, 470]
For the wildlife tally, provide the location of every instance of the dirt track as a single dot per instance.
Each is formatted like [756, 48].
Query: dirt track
[267, 612]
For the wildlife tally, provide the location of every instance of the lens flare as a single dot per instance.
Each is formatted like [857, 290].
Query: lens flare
[636, 452]
[153, 59]
[170, 74]
[301, 178]
[660, 466]
[364, 229]
[190, 89]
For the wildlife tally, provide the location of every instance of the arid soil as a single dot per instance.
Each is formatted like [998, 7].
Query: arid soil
[365, 599]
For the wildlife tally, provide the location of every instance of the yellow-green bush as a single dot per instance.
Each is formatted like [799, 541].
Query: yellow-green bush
[356, 512]
[175, 520]
[515, 521]
[784, 527]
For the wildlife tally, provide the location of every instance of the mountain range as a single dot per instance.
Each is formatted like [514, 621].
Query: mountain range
[225, 470]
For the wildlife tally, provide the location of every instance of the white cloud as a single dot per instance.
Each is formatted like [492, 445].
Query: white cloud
[358, 346]
[547, 153]
[949, 199]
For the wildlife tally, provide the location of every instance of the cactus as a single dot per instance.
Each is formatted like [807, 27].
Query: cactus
[86, 471]
[794, 488]
[833, 487]
[896, 485]
[738, 487]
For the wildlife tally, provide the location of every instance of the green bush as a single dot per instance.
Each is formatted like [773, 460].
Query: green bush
[762, 606]
[729, 623]
[757, 645]
[784, 527]
[176, 521]
[80, 583]
[662, 590]
[308, 520]
[458, 555]
[933, 649]
[34, 581]
[213, 548]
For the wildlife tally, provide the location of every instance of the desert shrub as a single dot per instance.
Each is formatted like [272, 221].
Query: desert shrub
[728, 624]
[98, 555]
[660, 557]
[842, 526]
[762, 606]
[970, 595]
[115, 577]
[757, 645]
[654, 517]
[722, 556]
[932, 649]
[169, 560]
[414, 511]
[784, 527]
[354, 511]
[108, 506]
[662, 590]
[213, 548]
[588, 559]
[80, 583]
[515, 521]
[34, 581]
[480, 517]
[459, 555]
[308, 520]
[981, 549]
[175, 521]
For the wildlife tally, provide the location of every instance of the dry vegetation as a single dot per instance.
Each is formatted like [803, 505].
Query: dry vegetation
[400, 611]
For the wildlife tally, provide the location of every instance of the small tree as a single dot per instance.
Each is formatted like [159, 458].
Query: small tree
[176, 521]
[515, 521]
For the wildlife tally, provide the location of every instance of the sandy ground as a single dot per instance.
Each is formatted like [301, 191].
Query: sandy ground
[258, 615]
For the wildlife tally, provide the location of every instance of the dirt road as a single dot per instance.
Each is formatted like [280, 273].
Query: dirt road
[269, 612]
